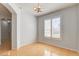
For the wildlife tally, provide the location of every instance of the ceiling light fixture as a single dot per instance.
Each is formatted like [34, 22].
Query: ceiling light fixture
[38, 8]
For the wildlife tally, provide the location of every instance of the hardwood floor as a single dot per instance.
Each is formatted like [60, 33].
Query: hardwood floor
[38, 49]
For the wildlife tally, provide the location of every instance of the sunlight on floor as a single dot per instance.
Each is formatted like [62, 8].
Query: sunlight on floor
[48, 53]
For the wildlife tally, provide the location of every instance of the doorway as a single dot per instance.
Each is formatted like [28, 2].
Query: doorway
[6, 34]
[5, 28]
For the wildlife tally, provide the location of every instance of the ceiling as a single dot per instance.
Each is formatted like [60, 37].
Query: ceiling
[46, 7]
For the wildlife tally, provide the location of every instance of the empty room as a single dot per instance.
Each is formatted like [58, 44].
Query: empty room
[39, 29]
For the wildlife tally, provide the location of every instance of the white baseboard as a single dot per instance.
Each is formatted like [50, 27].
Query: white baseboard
[25, 44]
[59, 46]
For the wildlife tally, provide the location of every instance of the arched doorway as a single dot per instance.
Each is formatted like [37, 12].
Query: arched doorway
[5, 28]
[13, 41]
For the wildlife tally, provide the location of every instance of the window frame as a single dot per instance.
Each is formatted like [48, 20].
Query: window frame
[61, 25]
[44, 29]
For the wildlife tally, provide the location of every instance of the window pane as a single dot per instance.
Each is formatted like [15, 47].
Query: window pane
[56, 27]
[47, 28]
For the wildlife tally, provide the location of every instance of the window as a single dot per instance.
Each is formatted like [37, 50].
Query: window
[56, 27]
[52, 27]
[47, 29]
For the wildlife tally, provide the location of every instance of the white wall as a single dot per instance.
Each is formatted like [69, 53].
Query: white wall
[28, 28]
[69, 28]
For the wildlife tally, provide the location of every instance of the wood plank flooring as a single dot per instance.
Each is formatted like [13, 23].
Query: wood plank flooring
[38, 49]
